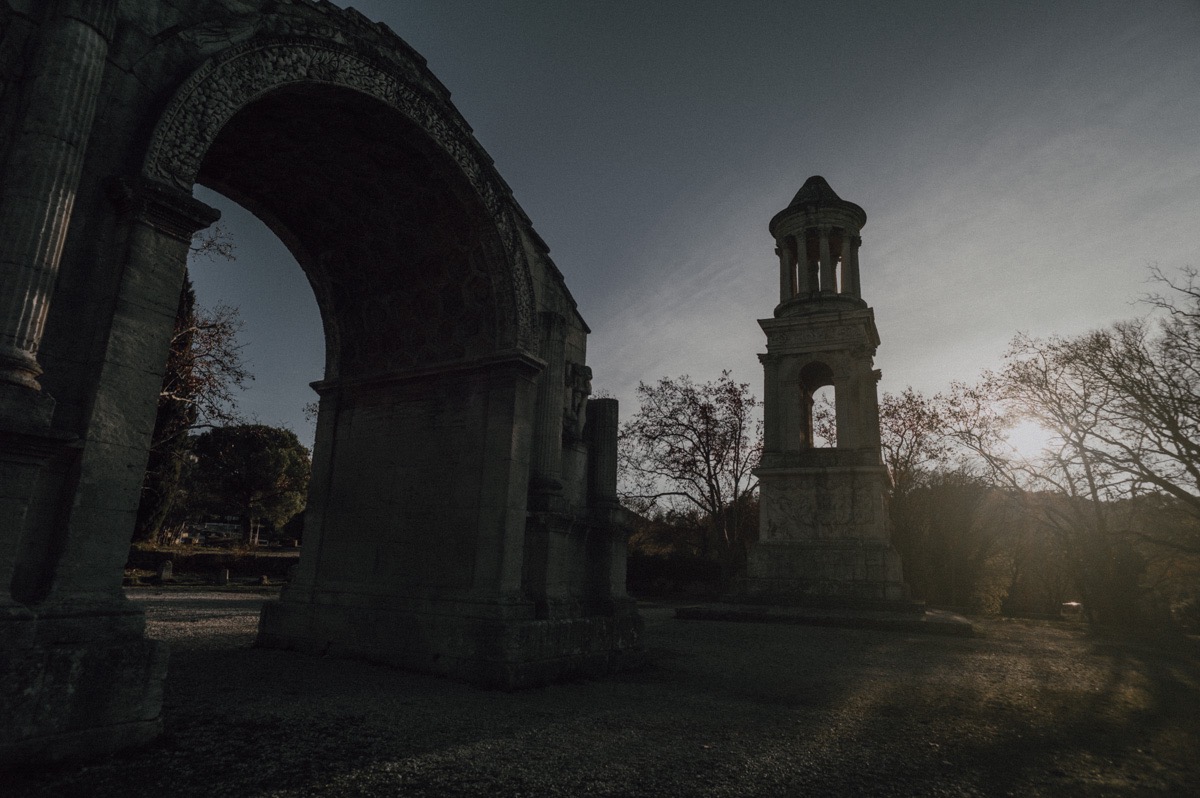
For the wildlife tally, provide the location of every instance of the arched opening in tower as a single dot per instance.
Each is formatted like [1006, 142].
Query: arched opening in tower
[818, 407]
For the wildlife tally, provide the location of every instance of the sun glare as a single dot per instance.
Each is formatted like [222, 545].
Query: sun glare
[1028, 439]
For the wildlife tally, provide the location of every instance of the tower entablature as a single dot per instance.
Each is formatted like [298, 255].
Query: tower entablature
[817, 240]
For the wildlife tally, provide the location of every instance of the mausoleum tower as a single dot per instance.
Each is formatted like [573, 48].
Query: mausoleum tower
[823, 531]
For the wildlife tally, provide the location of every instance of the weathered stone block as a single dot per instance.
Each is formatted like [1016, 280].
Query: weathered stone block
[67, 700]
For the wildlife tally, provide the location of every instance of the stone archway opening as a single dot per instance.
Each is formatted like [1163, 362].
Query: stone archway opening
[281, 336]
[392, 242]
[403, 262]
[398, 253]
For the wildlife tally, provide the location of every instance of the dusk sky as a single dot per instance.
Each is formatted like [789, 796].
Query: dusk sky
[1021, 165]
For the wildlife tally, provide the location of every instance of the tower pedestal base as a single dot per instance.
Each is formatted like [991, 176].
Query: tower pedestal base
[824, 539]
[835, 574]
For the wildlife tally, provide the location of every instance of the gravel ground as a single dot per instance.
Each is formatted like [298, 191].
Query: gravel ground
[725, 709]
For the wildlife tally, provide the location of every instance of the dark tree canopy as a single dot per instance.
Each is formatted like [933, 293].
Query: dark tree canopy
[255, 472]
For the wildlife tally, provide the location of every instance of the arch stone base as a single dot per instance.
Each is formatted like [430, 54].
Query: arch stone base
[434, 564]
[492, 645]
[62, 699]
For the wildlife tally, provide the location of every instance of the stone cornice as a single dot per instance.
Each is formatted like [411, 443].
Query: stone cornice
[165, 208]
[520, 362]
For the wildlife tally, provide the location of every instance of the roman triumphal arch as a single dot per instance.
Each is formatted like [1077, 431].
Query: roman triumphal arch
[462, 515]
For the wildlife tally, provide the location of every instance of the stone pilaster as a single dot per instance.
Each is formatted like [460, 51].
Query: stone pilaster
[42, 175]
[608, 530]
[24, 456]
[546, 472]
[771, 424]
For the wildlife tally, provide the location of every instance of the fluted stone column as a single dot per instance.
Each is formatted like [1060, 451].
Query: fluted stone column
[805, 284]
[786, 268]
[851, 283]
[42, 173]
[23, 459]
[42, 169]
[845, 258]
[828, 272]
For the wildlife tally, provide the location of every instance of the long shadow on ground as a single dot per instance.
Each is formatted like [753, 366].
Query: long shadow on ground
[728, 709]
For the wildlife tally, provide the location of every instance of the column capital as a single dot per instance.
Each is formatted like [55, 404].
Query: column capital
[163, 207]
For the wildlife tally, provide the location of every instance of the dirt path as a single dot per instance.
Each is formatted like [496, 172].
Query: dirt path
[726, 709]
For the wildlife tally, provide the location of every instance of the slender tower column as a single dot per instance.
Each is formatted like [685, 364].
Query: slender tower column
[856, 285]
[850, 281]
[786, 268]
[805, 286]
[828, 272]
[43, 169]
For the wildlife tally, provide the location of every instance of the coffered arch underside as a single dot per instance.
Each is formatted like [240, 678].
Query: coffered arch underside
[213, 94]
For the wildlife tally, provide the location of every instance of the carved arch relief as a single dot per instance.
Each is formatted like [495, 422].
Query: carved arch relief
[226, 83]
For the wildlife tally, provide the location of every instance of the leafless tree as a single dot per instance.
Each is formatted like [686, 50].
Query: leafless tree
[203, 372]
[697, 444]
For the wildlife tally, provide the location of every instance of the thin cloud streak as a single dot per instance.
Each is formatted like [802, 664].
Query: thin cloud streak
[1020, 163]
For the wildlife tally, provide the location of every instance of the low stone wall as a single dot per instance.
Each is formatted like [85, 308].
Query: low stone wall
[272, 564]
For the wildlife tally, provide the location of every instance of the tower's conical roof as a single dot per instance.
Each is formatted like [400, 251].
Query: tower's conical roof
[816, 193]
[817, 203]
